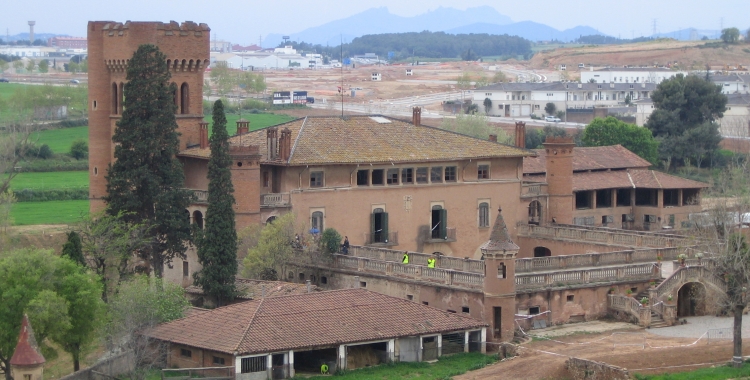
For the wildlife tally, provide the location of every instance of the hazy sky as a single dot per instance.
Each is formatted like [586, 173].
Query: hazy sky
[244, 21]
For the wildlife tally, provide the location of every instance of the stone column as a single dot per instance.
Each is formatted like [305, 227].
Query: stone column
[290, 361]
[342, 357]
[269, 366]
[466, 341]
[391, 349]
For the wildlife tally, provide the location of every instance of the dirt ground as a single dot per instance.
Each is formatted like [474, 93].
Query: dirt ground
[37, 236]
[545, 359]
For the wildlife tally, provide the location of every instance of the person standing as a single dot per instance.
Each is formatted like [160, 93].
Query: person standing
[345, 246]
[431, 262]
[405, 259]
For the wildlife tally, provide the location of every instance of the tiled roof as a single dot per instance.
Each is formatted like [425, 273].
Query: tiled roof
[364, 139]
[651, 179]
[589, 158]
[499, 238]
[251, 289]
[568, 86]
[620, 179]
[27, 352]
[309, 320]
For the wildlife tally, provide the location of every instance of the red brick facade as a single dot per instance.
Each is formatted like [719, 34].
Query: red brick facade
[110, 46]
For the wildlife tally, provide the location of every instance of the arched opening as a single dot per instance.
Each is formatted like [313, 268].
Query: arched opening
[691, 300]
[270, 219]
[115, 99]
[535, 212]
[175, 98]
[184, 99]
[316, 222]
[542, 252]
[198, 219]
[379, 226]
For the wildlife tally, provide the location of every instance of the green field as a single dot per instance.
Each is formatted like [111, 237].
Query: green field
[59, 140]
[257, 121]
[52, 212]
[50, 180]
[720, 372]
[7, 89]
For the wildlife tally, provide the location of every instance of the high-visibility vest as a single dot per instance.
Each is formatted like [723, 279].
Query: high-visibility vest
[430, 263]
[405, 260]
[324, 369]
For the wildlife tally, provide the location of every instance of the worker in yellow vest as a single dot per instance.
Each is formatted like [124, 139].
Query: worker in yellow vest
[324, 369]
[405, 259]
[431, 262]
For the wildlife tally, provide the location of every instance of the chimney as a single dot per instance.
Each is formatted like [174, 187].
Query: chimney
[285, 144]
[204, 135]
[416, 116]
[559, 168]
[243, 126]
[272, 141]
[307, 283]
[521, 134]
[356, 282]
[493, 138]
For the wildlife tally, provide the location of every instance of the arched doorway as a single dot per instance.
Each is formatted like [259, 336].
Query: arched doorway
[691, 300]
[198, 218]
[542, 252]
[535, 212]
[270, 219]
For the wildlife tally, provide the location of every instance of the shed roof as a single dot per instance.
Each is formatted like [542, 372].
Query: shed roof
[320, 319]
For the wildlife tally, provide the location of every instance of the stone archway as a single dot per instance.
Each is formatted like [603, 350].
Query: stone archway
[542, 252]
[691, 300]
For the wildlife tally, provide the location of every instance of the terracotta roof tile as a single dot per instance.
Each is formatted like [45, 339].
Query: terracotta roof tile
[619, 179]
[250, 289]
[27, 352]
[309, 320]
[362, 139]
[590, 158]
[651, 179]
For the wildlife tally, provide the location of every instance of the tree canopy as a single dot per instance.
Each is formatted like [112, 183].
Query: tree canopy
[683, 120]
[217, 244]
[730, 35]
[146, 180]
[611, 131]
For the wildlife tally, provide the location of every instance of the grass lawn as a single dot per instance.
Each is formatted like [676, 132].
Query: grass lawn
[257, 121]
[50, 180]
[444, 368]
[717, 373]
[52, 212]
[7, 89]
[59, 140]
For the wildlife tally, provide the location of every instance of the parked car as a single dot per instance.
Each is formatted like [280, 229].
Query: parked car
[552, 119]
[75, 81]
[4, 80]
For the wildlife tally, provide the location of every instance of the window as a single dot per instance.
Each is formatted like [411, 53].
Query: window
[623, 197]
[391, 177]
[410, 297]
[254, 364]
[645, 197]
[379, 226]
[323, 280]
[422, 175]
[27, 377]
[218, 360]
[266, 179]
[439, 221]
[115, 98]
[436, 174]
[316, 179]
[534, 310]
[198, 219]
[407, 176]
[483, 172]
[671, 197]
[570, 298]
[362, 284]
[316, 221]
[425, 303]
[465, 309]
[184, 99]
[634, 290]
[302, 277]
[583, 200]
[186, 353]
[377, 177]
[363, 177]
[501, 271]
[484, 214]
[450, 174]
[185, 269]
[604, 198]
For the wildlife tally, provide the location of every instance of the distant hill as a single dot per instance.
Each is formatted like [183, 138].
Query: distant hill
[380, 20]
[527, 29]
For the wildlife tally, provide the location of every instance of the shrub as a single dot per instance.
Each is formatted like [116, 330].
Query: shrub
[330, 241]
[44, 152]
[53, 165]
[36, 195]
[79, 149]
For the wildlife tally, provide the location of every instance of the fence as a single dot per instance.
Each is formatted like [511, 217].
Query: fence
[719, 334]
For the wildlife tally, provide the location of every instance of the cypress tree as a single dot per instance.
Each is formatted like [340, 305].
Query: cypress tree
[146, 180]
[73, 249]
[217, 243]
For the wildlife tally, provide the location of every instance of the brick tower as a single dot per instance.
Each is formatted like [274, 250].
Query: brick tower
[499, 254]
[559, 162]
[110, 47]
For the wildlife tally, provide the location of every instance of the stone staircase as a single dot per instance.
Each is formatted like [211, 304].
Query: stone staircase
[644, 292]
[657, 321]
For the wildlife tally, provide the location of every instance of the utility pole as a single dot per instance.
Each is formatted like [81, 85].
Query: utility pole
[653, 22]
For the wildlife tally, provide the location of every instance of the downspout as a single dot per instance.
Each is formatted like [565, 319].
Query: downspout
[463, 171]
[300, 176]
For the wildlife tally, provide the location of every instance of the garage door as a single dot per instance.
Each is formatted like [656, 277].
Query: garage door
[525, 110]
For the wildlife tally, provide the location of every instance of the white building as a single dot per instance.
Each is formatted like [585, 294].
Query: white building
[267, 60]
[735, 123]
[629, 74]
[735, 83]
[23, 51]
[523, 99]
[376, 77]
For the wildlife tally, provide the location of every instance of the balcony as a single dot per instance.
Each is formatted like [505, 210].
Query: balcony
[450, 236]
[275, 200]
[381, 239]
[199, 196]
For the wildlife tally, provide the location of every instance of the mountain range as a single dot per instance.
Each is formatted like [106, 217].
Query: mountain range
[483, 19]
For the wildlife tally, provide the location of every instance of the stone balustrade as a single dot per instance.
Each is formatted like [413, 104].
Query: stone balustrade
[417, 258]
[603, 235]
[275, 200]
[636, 272]
[595, 259]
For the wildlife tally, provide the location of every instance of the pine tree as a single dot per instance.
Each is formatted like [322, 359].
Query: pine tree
[73, 249]
[146, 180]
[217, 244]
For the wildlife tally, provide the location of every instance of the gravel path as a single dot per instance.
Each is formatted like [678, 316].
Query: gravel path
[697, 326]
